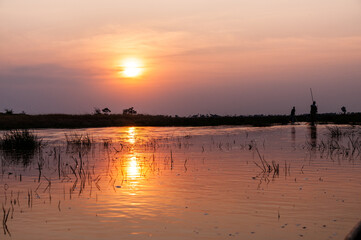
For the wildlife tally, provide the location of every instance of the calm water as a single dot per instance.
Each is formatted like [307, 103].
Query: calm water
[182, 183]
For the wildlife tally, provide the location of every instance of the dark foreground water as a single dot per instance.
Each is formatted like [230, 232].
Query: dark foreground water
[184, 183]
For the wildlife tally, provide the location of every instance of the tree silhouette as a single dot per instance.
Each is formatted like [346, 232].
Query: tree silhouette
[97, 111]
[343, 109]
[8, 111]
[106, 110]
[129, 111]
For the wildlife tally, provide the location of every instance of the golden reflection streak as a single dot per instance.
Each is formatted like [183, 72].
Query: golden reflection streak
[132, 168]
[131, 135]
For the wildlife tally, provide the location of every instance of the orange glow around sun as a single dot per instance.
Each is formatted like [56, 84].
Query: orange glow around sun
[131, 68]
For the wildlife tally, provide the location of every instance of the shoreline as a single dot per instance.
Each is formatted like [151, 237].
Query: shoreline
[24, 121]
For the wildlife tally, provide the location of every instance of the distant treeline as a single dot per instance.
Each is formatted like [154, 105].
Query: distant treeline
[24, 121]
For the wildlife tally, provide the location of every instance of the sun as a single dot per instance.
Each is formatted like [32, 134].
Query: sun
[132, 68]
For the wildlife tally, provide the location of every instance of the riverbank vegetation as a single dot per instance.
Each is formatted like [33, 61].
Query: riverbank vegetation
[24, 121]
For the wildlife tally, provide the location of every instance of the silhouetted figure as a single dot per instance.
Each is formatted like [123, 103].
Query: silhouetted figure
[343, 109]
[293, 115]
[313, 113]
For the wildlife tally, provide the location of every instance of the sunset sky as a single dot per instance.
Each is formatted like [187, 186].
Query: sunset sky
[180, 56]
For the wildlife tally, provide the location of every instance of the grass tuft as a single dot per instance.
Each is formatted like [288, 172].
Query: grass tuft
[20, 140]
[76, 139]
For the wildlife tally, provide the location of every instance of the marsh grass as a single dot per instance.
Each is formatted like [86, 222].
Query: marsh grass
[335, 132]
[77, 139]
[341, 142]
[266, 167]
[5, 219]
[107, 142]
[339, 132]
[20, 146]
[19, 140]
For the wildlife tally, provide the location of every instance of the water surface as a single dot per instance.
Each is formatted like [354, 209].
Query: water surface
[183, 183]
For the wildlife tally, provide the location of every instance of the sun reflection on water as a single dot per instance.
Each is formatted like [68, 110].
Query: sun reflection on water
[131, 135]
[132, 165]
[132, 168]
